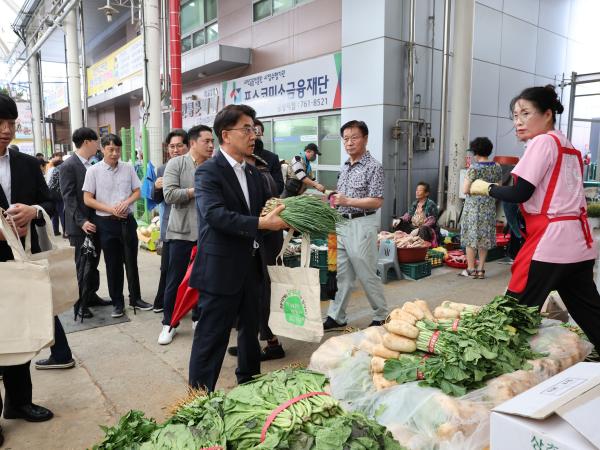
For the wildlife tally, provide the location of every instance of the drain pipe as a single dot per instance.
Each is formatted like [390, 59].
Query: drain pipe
[444, 108]
[84, 80]
[175, 52]
[410, 100]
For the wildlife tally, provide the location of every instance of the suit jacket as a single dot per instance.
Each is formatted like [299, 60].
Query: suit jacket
[29, 187]
[72, 174]
[227, 228]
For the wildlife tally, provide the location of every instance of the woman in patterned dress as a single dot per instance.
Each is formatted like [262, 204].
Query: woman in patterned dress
[478, 230]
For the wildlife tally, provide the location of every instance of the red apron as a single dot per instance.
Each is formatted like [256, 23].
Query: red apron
[536, 224]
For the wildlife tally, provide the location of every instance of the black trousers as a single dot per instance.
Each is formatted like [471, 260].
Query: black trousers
[179, 259]
[60, 351]
[119, 243]
[59, 216]
[575, 284]
[17, 383]
[162, 282]
[218, 315]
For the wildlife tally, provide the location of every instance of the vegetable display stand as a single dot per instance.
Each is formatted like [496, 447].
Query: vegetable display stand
[416, 271]
[496, 253]
[412, 255]
[318, 259]
[435, 258]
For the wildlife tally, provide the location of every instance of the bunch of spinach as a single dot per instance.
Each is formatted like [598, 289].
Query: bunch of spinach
[133, 429]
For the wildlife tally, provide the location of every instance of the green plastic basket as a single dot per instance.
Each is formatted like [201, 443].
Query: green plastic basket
[291, 261]
[435, 258]
[416, 271]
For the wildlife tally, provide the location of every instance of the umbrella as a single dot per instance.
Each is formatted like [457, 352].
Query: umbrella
[88, 274]
[187, 297]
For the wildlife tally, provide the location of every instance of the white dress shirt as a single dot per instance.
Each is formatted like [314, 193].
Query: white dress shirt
[240, 173]
[85, 162]
[5, 179]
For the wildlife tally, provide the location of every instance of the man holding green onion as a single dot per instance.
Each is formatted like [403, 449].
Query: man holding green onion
[358, 197]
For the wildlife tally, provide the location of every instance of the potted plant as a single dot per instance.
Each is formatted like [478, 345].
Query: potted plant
[593, 212]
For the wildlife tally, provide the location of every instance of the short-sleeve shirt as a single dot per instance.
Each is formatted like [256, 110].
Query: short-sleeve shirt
[563, 242]
[363, 179]
[111, 186]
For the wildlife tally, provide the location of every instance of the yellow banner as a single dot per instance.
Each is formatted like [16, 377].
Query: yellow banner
[114, 68]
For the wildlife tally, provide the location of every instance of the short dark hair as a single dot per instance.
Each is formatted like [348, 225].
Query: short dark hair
[177, 132]
[39, 155]
[544, 98]
[312, 147]
[425, 185]
[111, 138]
[258, 123]
[481, 146]
[194, 132]
[355, 124]
[229, 116]
[57, 155]
[83, 134]
[8, 108]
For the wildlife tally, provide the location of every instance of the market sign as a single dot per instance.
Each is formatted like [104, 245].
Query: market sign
[116, 67]
[312, 85]
[200, 106]
[55, 97]
[24, 125]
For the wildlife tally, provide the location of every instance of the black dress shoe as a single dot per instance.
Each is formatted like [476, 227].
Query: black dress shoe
[272, 352]
[30, 413]
[331, 324]
[96, 300]
[377, 323]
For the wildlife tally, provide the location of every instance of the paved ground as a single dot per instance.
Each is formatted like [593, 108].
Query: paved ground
[121, 367]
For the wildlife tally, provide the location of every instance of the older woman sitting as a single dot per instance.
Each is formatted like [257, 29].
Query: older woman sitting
[422, 216]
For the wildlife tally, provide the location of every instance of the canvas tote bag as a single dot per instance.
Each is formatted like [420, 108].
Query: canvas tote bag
[60, 260]
[295, 297]
[26, 312]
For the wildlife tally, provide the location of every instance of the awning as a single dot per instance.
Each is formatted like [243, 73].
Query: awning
[210, 60]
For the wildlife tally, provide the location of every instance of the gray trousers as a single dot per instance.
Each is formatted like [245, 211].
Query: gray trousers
[357, 258]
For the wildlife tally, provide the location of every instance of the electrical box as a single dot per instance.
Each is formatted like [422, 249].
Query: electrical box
[424, 143]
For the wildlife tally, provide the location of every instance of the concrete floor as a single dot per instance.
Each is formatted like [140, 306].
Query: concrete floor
[121, 367]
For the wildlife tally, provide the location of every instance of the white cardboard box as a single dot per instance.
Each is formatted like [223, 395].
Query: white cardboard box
[561, 413]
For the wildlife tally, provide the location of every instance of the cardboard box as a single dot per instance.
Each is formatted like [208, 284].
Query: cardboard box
[561, 413]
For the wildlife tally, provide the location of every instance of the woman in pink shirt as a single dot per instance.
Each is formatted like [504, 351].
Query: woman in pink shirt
[559, 251]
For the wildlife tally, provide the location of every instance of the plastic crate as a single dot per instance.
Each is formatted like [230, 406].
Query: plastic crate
[411, 255]
[323, 275]
[318, 258]
[496, 253]
[436, 259]
[416, 271]
[291, 261]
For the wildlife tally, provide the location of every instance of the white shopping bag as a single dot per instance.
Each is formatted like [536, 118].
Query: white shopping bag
[296, 297]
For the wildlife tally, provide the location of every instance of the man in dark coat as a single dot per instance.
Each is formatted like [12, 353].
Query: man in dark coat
[270, 158]
[22, 186]
[228, 269]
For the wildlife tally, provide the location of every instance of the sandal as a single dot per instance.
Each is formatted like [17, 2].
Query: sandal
[480, 275]
[468, 273]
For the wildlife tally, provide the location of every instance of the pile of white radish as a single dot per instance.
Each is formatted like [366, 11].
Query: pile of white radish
[402, 334]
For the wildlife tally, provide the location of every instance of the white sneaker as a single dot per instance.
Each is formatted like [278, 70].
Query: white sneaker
[194, 323]
[166, 336]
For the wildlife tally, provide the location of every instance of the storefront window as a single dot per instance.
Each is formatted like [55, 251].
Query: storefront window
[198, 23]
[329, 140]
[292, 135]
[328, 178]
[268, 134]
[266, 8]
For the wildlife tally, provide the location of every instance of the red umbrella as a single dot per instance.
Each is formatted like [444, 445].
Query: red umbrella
[187, 297]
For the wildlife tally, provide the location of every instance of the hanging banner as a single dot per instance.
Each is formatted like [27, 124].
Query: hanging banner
[55, 97]
[312, 85]
[200, 106]
[24, 126]
[116, 67]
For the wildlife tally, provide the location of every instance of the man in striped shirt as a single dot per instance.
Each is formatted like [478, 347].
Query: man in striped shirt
[300, 175]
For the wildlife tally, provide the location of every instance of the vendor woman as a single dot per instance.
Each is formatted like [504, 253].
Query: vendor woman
[559, 252]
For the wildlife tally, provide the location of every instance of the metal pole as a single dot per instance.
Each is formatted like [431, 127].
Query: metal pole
[410, 101]
[83, 67]
[164, 9]
[175, 51]
[34, 97]
[152, 91]
[73, 71]
[460, 105]
[444, 111]
[571, 105]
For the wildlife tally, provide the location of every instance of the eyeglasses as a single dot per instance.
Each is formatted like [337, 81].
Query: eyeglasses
[248, 130]
[174, 146]
[352, 138]
[523, 117]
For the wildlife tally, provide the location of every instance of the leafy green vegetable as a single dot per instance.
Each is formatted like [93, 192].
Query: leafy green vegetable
[176, 437]
[133, 428]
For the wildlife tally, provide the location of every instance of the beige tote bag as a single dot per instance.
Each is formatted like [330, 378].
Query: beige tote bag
[26, 312]
[296, 297]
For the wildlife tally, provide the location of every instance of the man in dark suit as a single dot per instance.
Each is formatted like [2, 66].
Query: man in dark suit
[22, 185]
[271, 158]
[228, 269]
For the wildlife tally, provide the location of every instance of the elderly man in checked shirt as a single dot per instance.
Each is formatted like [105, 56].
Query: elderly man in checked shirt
[359, 196]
